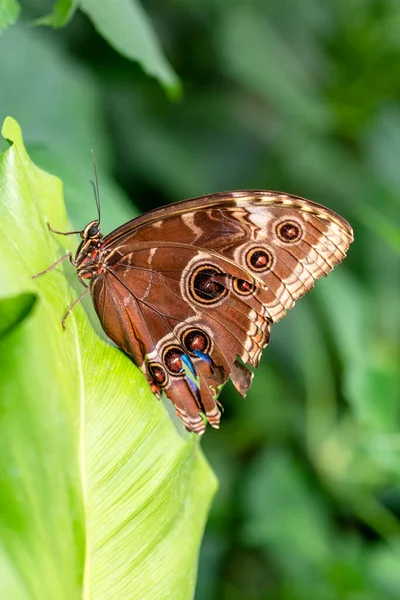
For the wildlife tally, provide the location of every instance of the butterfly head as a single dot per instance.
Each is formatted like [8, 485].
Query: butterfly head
[91, 231]
[88, 257]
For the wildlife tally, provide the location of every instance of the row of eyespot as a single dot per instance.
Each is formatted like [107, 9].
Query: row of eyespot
[206, 289]
[193, 340]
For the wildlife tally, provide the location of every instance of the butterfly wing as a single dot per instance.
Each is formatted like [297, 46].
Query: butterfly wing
[189, 288]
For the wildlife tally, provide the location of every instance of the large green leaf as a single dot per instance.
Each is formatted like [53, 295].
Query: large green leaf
[102, 495]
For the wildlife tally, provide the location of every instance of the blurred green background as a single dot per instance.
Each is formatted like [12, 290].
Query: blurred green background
[302, 97]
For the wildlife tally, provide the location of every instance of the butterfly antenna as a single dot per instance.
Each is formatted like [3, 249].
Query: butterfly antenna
[96, 185]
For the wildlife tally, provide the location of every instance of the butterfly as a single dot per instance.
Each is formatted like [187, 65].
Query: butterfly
[190, 291]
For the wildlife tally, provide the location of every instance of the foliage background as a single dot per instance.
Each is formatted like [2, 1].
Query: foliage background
[302, 97]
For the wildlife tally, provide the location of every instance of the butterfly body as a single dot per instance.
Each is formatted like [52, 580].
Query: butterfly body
[190, 291]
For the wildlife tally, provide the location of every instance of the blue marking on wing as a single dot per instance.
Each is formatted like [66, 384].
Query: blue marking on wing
[191, 377]
[203, 356]
[194, 387]
[206, 357]
[188, 363]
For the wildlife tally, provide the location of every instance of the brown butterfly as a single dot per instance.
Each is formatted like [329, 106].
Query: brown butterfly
[188, 289]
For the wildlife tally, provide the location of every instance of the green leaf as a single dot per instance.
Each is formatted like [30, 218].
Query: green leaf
[99, 485]
[62, 13]
[14, 310]
[9, 13]
[126, 27]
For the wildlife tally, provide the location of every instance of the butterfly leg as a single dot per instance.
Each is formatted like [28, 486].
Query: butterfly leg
[51, 267]
[74, 303]
[49, 227]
